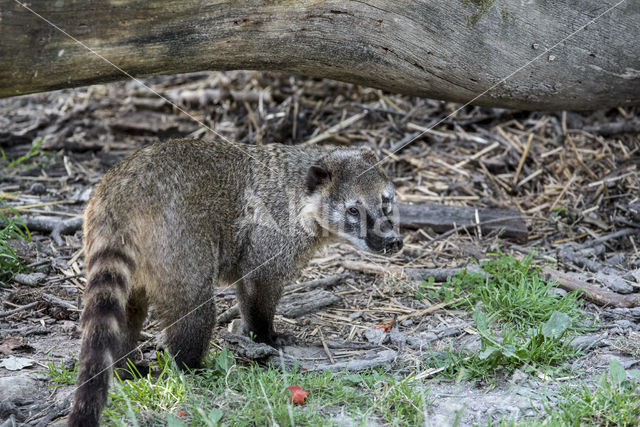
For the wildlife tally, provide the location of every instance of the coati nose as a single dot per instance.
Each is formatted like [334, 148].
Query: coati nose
[395, 245]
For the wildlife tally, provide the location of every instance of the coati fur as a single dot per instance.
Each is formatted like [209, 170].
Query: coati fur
[175, 219]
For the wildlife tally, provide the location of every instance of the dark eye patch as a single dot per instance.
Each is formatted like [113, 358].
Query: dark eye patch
[386, 205]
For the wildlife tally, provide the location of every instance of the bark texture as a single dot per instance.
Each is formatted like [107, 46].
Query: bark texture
[427, 48]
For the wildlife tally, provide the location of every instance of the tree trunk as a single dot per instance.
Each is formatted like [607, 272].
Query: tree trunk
[453, 50]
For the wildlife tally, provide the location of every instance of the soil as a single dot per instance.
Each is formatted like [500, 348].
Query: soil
[572, 175]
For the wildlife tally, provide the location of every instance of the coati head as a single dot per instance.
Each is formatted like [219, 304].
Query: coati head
[352, 198]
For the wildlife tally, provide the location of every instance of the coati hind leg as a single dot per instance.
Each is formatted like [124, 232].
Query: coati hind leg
[188, 331]
[258, 303]
[136, 309]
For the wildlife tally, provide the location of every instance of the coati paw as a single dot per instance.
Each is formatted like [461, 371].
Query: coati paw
[274, 339]
[281, 340]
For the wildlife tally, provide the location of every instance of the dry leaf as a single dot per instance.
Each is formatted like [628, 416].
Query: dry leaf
[298, 394]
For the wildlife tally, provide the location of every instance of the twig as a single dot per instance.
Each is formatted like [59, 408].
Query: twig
[614, 128]
[370, 268]
[428, 310]
[611, 236]
[334, 129]
[59, 302]
[465, 228]
[591, 292]
[324, 346]
[18, 309]
[317, 283]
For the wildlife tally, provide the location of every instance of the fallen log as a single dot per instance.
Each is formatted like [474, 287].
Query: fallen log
[447, 50]
[442, 218]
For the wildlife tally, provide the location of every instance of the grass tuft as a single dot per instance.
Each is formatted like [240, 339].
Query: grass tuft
[148, 395]
[614, 401]
[11, 228]
[33, 152]
[522, 324]
[231, 394]
[61, 376]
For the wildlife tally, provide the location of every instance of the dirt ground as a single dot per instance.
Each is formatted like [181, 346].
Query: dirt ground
[573, 176]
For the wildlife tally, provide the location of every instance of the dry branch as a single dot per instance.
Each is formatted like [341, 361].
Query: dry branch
[30, 279]
[18, 309]
[55, 225]
[592, 292]
[430, 48]
[373, 359]
[299, 304]
[52, 299]
[439, 274]
[442, 218]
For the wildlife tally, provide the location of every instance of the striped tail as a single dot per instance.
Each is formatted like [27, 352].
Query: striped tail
[104, 322]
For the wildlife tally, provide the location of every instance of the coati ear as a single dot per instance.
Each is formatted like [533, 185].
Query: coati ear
[317, 175]
[369, 155]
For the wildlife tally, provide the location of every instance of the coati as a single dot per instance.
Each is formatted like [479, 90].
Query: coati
[175, 219]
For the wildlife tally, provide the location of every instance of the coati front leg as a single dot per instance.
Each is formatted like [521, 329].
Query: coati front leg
[258, 301]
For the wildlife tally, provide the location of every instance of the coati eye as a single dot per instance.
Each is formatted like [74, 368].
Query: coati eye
[353, 211]
[386, 205]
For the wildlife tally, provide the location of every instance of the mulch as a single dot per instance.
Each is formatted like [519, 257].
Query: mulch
[573, 177]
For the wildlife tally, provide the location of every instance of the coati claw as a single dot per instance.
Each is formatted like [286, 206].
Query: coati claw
[281, 340]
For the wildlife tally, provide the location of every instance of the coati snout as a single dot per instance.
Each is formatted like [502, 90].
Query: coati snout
[176, 219]
[355, 200]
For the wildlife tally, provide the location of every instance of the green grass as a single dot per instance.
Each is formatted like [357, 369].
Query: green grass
[12, 228]
[234, 394]
[614, 401]
[522, 325]
[61, 376]
[511, 290]
[34, 151]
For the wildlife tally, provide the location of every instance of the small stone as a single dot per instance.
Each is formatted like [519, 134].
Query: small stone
[471, 343]
[428, 336]
[625, 324]
[376, 336]
[397, 338]
[552, 57]
[615, 259]
[633, 276]
[355, 315]
[235, 327]
[82, 195]
[585, 342]
[614, 282]
[557, 291]
[37, 188]
[17, 387]
[518, 376]
[407, 322]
